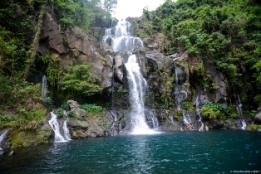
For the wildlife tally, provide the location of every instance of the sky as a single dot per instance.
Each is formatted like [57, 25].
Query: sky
[133, 8]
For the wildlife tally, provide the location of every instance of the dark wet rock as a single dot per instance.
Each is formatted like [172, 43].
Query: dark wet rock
[219, 80]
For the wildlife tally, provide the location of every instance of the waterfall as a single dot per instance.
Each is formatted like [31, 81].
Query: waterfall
[244, 125]
[3, 135]
[186, 118]
[56, 128]
[240, 113]
[199, 114]
[66, 132]
[181, 95]
[178, 95]
[112, 85]
[122, 40]
[44, 87]
[137, 85]
[239, 107]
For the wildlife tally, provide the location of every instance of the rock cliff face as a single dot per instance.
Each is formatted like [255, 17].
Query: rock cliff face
[76, 47]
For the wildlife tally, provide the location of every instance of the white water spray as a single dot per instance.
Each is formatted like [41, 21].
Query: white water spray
[137, 85]
[66, 131]
[239, 107]
[44, 87]
[56, 128]
[244, 125]
[199, 114]
[180, 90]
[122, 40]
[3, 135]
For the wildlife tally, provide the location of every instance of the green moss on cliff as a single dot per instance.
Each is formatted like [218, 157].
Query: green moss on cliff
[24, 138]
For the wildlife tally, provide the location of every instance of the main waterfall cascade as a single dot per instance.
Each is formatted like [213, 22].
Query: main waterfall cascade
[137, 86]
[123, 41]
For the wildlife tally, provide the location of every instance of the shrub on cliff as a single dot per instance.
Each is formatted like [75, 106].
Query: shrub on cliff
[80, 81]
[212, 111]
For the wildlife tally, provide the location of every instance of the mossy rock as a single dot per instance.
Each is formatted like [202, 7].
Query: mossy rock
[178, 114]
[253, 127]
[24, 138]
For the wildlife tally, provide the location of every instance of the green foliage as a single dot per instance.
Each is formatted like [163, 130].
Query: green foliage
[48, 102]
[80, 80]
[72, 114]
[91, 108]
[257, 99]
[59, 112]
[251, 113]
[253, 127]
[25, 120]
[53, 70]
[257, 66]
[88, 15]
[187, 105]
[226, 32]
[109, 5]
[5, 120]
[178, 114]
[212, 111]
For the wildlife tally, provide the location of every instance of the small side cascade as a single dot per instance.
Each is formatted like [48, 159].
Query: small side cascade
[3, 135]
[56, 128]
[115, 125]
[44, 87]
[114, 115]
[177, 87]
[181, 95]
[151, 119]
[66, 131]
[112, 85]
[180, 89]
[199, 114]
[240, 113]
[244, 125]
[239, 107]
[187, 120]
